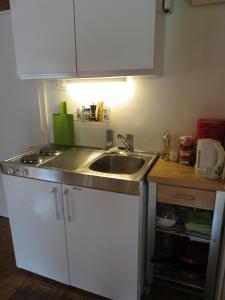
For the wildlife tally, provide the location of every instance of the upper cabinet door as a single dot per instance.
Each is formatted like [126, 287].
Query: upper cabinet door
[115, 37]
[44, 38]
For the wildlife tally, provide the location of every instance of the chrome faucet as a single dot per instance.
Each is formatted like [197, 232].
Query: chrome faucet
[128, 141]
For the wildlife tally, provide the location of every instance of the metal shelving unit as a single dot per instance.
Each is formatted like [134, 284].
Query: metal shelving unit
[170, 273]
[169, 266]
[173, 274]
[182, 233]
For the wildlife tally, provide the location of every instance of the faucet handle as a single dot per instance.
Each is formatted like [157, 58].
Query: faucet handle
[130, 140]
[127, 141]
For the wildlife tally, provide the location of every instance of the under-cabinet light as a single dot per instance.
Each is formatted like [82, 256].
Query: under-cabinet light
[111, 91]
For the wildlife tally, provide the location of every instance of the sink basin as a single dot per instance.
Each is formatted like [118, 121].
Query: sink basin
[117, 164]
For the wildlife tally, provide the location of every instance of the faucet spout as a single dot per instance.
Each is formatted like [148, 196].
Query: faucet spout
[128, 142]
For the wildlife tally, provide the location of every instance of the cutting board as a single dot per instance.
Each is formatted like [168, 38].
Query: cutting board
[63, 127]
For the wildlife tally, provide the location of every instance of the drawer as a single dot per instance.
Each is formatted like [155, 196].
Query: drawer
[186, 196]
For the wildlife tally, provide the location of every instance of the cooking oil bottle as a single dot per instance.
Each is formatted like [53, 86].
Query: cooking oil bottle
[166, 139]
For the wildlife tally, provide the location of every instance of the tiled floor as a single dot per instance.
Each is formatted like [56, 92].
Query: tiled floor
[17, 284]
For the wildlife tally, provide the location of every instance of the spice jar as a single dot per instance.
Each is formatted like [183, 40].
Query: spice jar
[93, 112]
[186, 150]
[86, 113]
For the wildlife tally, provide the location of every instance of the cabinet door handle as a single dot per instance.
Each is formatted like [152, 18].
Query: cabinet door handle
[185, 196]
[68, 208]
[77, 188]
[55, 192]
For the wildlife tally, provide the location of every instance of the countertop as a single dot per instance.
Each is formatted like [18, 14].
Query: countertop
[173, 173]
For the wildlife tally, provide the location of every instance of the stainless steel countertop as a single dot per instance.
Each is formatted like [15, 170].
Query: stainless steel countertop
[72, 168]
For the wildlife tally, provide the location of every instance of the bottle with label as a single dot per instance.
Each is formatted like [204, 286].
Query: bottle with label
[100, 115]
[106, 113]
[166, 139]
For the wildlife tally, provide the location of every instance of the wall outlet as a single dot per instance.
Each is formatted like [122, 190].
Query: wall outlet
[60, 85]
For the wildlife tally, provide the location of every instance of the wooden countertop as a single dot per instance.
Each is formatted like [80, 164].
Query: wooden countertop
[172, 173]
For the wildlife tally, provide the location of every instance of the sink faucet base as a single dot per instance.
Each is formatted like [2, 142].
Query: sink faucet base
[128, 141]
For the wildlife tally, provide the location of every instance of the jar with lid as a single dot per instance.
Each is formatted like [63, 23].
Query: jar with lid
[86, 113]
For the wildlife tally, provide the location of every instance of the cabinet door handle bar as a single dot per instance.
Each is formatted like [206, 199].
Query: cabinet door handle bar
[55, 192]
[185, 196]
[69, 216]
[77, 188]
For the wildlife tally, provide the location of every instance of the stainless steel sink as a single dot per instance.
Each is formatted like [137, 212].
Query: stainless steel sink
[117, 164]
[112, 170]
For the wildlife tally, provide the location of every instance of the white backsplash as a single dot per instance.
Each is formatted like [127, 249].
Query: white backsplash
[91, 133]
[192, 85]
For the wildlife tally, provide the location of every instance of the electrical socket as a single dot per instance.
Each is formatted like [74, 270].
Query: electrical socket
[60, 85]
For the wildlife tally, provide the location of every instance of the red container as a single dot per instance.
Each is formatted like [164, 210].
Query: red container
[209, 128]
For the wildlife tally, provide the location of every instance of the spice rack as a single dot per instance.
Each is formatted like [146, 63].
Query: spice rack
[94, 113]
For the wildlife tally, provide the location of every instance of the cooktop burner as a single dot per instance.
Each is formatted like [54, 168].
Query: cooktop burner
[34, 158]
[41, 155]
[51, 150]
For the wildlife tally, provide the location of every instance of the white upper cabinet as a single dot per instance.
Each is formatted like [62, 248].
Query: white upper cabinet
[114, 37]
[44, 38]
[99, 37]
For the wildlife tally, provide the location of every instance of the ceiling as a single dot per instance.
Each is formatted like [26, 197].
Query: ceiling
[4, 5]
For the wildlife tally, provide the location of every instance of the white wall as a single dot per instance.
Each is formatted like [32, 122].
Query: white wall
[192, 86]
[19, 114]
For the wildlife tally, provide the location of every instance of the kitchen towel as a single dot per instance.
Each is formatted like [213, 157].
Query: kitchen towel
[200, 222]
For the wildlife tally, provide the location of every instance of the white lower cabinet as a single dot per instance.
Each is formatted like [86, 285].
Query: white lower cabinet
[102, 239]
[84, 237]
[37, 225]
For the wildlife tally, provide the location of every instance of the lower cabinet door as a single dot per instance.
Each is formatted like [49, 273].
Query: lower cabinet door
[37, 226]
[102, 231]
